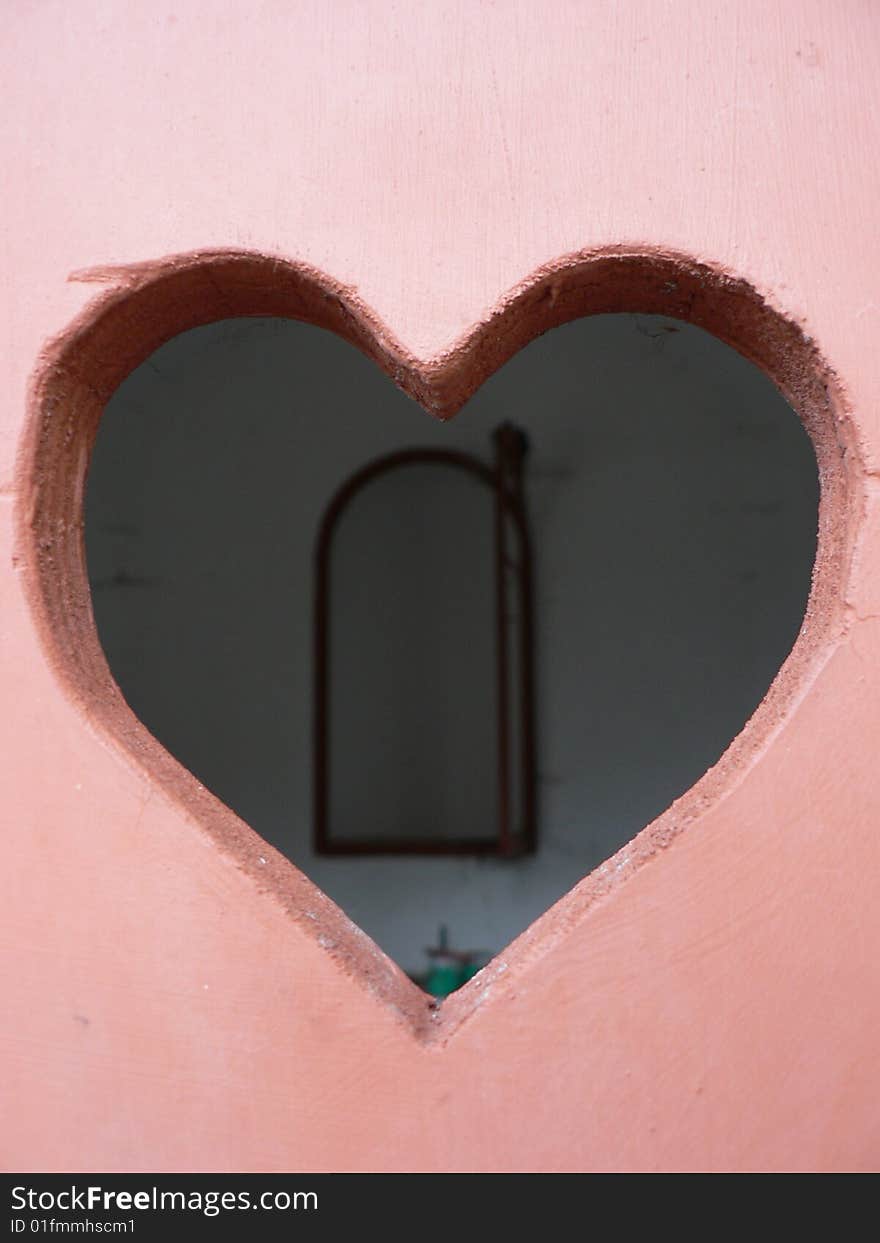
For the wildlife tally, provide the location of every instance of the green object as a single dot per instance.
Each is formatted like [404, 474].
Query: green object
[450, 968]
[444, 978]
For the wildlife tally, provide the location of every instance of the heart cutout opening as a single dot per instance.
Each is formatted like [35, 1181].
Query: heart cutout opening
[149, 305]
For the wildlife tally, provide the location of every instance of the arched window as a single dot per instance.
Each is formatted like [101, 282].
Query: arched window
[424, 738]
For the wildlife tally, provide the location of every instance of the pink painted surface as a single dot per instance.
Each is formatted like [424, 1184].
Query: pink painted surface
[711, 1000]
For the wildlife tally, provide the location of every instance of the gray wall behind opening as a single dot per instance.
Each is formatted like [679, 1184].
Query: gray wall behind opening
[673, 498]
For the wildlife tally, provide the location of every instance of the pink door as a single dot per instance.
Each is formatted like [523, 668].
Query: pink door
[437, 183]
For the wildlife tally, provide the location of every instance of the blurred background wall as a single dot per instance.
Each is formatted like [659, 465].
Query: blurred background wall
[672, 495]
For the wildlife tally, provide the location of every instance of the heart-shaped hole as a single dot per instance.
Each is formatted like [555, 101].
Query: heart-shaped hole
[673, 500]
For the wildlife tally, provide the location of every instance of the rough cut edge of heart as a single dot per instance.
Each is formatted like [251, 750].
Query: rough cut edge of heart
[144, 305]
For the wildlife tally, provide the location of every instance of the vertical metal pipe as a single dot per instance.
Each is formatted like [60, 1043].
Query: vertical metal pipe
[505, 834]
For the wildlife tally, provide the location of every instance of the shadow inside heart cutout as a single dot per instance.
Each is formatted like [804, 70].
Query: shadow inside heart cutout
[674, 502]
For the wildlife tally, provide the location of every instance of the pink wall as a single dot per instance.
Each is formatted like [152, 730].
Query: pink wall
[178, 996]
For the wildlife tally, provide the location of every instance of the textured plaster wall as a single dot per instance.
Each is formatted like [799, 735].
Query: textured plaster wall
[672, 496]
[175, 998]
